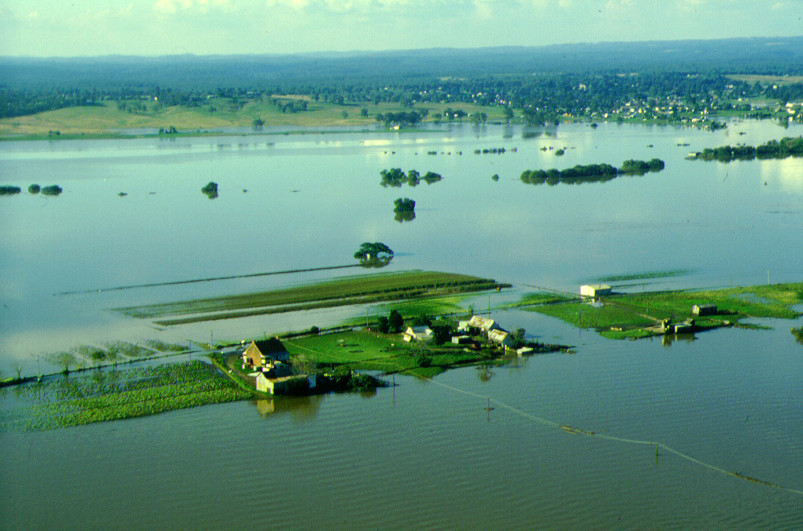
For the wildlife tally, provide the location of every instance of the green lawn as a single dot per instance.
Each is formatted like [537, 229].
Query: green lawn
[366, 350]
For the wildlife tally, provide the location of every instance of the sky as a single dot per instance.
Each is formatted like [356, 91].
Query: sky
[48, 28]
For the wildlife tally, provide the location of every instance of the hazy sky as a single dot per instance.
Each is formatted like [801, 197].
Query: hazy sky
[159, 27]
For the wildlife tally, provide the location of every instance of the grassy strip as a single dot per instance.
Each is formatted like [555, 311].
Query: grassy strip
[532, 299]
[645, 275]
[349, 290]
[113, 395]
[408, 308]
[104, 120]
[633, 315]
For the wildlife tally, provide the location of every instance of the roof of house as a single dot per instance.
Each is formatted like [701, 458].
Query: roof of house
[497, 336]
[265, 348]
[478, 321]
[270, 346]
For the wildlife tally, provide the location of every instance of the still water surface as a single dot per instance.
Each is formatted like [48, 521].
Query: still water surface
[421, 454]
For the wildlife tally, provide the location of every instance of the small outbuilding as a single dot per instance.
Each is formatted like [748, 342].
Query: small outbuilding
[500, 338]
[594, 290]
[461, 340]
[524, 351]
[684, 328]
[704, 309]
[283, 385]
[417, 333]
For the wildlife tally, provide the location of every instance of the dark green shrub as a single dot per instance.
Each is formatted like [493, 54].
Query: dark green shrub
[53, 189]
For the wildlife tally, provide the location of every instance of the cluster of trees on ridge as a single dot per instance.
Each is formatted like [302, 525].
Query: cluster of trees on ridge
[773, 149]
[591, 172]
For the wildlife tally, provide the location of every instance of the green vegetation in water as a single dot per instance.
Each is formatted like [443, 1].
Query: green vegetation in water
[798, 333]
[540, 297]
[645, 275]
[773, 149]
[639, 315]
[362, 289]
[210, 190]
[590, 172]
[404, 209]
[374, 254]
[111, 353]
[395, 177]
[10, 190]
[53, 189]
[119, 394]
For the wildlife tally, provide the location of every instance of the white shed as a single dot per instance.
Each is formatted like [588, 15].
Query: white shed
[594, 290]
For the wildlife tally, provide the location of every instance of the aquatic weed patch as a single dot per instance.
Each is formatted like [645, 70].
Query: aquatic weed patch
[118, 394]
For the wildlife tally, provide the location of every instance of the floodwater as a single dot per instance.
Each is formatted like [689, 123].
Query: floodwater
[425, 454]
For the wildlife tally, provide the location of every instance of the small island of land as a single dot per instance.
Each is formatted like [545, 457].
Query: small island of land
[664, 313]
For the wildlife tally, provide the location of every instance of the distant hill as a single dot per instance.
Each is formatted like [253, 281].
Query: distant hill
[777, 56]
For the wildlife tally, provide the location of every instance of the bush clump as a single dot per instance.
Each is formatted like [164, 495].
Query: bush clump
[210, 190]
[53, 189]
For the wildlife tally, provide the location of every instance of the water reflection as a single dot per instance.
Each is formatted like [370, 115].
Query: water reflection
[668, 339]
[485, 373]
[301, 407]
[404, 215]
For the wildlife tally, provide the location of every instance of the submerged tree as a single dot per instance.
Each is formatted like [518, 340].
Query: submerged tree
[404, 209]
[375, 254]
[210, 190]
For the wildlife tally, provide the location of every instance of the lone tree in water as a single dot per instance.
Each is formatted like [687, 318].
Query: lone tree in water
[375, 254]
[210, 190]
[404, 209]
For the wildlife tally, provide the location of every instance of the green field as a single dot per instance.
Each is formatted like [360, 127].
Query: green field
[360, 289]
[105, 119]
[634, 315]
[100, 396]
